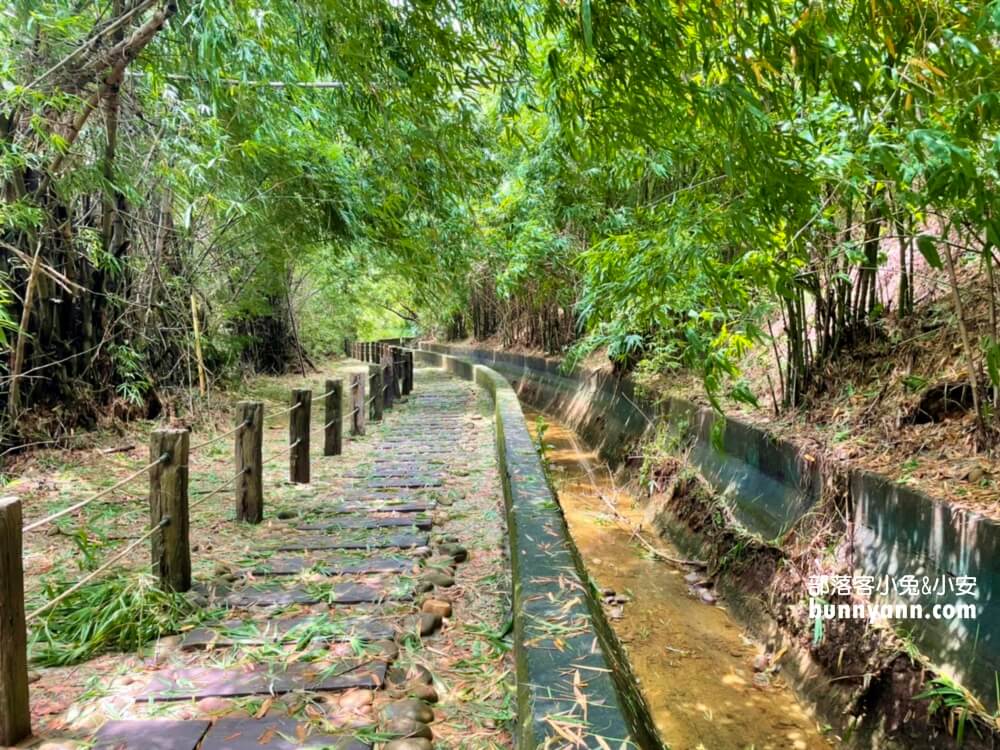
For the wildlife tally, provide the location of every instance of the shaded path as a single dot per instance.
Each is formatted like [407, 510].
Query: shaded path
[367, 606]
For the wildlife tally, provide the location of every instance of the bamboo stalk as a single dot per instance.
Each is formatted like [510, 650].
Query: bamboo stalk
[202, 385]
[17, 362]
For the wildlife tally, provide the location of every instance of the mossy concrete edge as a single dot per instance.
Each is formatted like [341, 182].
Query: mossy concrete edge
[559, 650]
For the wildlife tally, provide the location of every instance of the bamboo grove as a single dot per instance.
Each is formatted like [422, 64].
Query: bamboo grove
[674, 183]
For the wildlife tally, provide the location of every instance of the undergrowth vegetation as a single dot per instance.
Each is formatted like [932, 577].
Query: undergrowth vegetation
[122, 612]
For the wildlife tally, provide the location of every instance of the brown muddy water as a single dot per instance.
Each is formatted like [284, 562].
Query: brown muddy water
[694, 663]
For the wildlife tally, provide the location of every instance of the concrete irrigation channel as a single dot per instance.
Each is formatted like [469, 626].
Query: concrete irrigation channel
[755, 514]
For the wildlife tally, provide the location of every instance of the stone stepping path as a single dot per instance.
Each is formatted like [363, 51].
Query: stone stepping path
[425, 481]
[385, 522]
[403, 541]
[154, 734]
[290, 630]
[391, 469]
[260, 679]
[332, 566]
[279, 733]
[270, 596]
[376, 506]
[370, 527]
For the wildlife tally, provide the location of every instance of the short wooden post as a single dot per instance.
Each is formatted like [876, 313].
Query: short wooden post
[397, 371]
[168, 499]
[409, 373]
[333, 427]
[358, 403]
[375, 387]
[15, 712]
[249, 462]
[298, 435]
[387, 388]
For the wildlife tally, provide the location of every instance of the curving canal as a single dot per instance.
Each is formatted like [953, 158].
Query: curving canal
[706, 683]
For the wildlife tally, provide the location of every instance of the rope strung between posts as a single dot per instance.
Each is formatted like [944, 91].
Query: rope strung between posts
[289, 449]
[324, 395]
[370, 401]
[238, 428]
[218, 489]
[324, 427]
[241, 426]
[289, 410]
[76, 506]
[351, 413]
[92, 575]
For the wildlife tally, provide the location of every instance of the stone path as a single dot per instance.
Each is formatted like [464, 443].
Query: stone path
[380, 592]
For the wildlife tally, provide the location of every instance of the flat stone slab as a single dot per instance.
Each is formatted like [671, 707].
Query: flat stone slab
[381, 506]
[264, 596]
[261, 679]
[278, 733]
[388, 522]
[332, 566]
[406, 482]
[402, 541]
[395, 461]
[392, 469]
[150, 734]
[292, 629]
[414, 450]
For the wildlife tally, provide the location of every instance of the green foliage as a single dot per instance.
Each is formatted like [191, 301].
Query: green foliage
[668, 183]
[121, 613]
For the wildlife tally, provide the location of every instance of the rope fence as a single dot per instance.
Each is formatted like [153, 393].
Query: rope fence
[212, 493]
[94, 573]
[241, 426]
[286, 450]
[170, 509]
[103, 493]
[282, 412]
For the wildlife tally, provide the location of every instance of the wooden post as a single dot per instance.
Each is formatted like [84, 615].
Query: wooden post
[334, 426]
[407, 373]
[15, 713]
[397, 371]
[249, 462]
[298, 436]
[387, 388]
[168, 498]
[357, 403]
[375, 387]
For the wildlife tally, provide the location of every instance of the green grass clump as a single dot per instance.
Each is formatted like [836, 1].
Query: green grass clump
[119, 613]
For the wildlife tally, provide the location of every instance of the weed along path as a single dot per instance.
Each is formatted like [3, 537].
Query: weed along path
[366, 609]
[703, 680]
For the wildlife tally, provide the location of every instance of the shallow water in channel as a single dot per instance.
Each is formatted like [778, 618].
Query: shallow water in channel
[693, 661]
